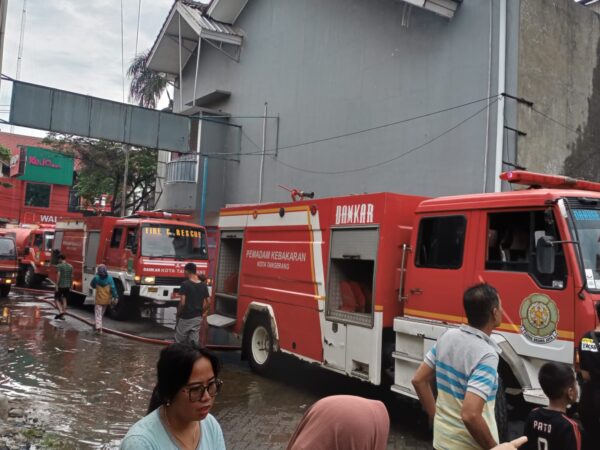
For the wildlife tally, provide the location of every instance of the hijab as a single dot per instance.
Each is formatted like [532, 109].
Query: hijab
[102, 271]
[343, 422]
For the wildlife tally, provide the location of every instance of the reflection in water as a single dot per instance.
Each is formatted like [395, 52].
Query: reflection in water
[90, 389]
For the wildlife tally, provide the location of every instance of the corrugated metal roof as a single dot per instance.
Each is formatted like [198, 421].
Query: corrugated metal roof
[162, 55]
[210, 24]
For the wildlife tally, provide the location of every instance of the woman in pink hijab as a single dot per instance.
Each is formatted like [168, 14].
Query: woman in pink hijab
[343, 422]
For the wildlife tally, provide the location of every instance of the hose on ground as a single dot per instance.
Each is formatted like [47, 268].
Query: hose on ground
[122, 333]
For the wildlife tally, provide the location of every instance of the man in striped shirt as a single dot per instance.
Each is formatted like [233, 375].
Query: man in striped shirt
[464, 365]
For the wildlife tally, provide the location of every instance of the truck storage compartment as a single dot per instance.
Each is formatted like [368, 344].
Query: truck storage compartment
[226, 289]
[351, 275]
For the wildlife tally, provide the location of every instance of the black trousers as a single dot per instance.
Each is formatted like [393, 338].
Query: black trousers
[589, 413]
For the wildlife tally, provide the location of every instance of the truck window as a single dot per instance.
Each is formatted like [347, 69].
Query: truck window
[7, 248]
[511, 239]
[49, 240]
[131, 238]
[115, 241]
[38, 240]
[441, 242]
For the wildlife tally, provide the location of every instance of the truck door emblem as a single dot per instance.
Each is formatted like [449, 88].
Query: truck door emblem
[539, 317]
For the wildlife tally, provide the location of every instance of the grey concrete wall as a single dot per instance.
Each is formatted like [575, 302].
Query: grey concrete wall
[558, 71]
[328, 68]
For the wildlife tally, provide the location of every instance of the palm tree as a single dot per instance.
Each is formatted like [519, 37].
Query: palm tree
[147, 86]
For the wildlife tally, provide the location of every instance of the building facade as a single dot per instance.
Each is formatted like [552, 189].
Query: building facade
[353, 96]
[37, 185]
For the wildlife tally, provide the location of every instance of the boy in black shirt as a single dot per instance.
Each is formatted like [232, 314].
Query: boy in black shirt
[549, 428]
[193, 305]
[589, 405]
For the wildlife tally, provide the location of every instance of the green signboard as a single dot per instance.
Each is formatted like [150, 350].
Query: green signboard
[46, 166]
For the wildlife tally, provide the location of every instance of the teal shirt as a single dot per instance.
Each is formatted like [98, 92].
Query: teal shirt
[150, 434]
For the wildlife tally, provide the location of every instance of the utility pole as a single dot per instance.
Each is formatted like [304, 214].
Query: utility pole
[20, 52]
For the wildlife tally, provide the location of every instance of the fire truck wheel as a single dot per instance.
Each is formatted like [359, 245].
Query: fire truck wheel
[124, 308]
[4, 290]
[501, 411]
[259, 344]
[75, 299]
[30, 278]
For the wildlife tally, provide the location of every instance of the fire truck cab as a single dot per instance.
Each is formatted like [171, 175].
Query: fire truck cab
[145, 254]
[364, 285]
[8, 265]
[34, 251]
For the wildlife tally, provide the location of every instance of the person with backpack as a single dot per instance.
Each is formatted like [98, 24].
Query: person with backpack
[105, 292]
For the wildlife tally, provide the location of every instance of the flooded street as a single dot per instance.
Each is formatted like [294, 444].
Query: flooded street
[89, 389]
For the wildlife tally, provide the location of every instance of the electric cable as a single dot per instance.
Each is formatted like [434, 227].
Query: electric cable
[275, 150]
[137, 33]
[381, 163]
[122, 54]
[385, 125]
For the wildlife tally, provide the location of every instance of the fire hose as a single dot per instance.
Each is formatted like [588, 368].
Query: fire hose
[123, 334]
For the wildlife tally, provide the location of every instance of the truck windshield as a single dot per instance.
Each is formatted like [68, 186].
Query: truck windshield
[587, 222]
[7, 248]
[171, 241]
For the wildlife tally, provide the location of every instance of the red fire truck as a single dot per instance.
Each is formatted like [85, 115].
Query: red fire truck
[34, 251]
[365, 284]
[8, 265]
[145, 254]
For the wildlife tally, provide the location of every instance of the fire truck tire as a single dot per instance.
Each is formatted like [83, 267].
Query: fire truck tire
[30, 279]
[4, 290]
[501, 411]
[259, 344]
[75, 299]
[125, 307]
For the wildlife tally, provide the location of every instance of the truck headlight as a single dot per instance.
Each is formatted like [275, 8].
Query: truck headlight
[148, 280]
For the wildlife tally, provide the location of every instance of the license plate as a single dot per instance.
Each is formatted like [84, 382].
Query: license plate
[153, 290]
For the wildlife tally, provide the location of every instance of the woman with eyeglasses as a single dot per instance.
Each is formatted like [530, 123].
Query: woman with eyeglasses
[179, 412]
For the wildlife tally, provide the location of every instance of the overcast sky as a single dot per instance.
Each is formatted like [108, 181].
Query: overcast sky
[75, 45]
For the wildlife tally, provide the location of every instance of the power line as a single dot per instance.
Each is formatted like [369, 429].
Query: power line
[377, 127]
[371, 166]
[122, 54]
[137, 34]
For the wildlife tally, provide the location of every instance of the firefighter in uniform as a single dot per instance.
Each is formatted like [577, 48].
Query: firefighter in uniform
[589, 405]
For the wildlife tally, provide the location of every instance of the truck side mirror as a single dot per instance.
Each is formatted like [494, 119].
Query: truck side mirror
[545, 255]
[26, 251]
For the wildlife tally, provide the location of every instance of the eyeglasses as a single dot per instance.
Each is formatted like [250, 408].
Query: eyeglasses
[196, 391]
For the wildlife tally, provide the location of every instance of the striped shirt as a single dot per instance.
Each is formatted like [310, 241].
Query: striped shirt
[465, 360]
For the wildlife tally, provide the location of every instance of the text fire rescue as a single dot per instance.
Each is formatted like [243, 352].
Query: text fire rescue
[352, 214]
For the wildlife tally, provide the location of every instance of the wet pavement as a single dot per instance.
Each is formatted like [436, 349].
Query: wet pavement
[90, 389]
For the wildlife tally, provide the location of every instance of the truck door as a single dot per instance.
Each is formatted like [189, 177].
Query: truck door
[352, 336]
[114, 253]
[538, 308]
[436, 272]
[89, 260]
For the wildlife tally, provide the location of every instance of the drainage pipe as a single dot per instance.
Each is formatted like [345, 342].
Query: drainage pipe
[501, 90]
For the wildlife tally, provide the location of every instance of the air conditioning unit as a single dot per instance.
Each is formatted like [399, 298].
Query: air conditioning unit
[446, 8]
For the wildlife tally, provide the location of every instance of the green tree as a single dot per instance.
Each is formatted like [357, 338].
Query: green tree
[5, 155]
[146, 87]
[101, 167]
